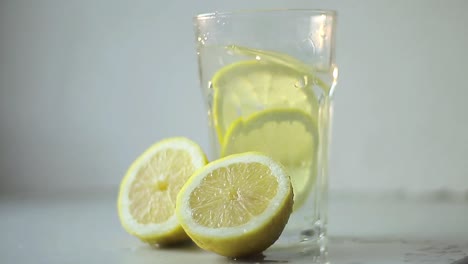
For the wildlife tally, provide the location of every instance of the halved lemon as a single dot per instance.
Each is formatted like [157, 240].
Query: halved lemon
[236, 206]
[289, 136]
[148, 192]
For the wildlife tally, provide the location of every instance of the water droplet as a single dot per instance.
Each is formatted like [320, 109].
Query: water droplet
[258, 58]
[199, 38]
[210, 85]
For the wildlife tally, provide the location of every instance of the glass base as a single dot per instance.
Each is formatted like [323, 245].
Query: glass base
[287, 249]
[306, 246]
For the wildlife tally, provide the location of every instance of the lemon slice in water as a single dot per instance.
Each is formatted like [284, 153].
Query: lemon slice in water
[287, 135]
[245, 87]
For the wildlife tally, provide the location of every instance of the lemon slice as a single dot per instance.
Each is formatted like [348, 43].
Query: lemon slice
[148, 192]
[236, 206]
[245, 87]
[283, 59]
[287, 135]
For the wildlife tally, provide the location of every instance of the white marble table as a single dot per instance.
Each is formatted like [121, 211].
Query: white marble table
[364, 230]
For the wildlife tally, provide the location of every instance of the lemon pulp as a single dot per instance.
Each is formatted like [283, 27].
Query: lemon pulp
[237, 205]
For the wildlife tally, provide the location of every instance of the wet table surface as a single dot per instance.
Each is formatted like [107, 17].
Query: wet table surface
[364, 229]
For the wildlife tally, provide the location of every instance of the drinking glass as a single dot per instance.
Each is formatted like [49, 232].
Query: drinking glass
[268, 79]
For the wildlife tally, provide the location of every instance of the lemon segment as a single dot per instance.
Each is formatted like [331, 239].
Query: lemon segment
[287, 135]
[236, 206]
[148, 192]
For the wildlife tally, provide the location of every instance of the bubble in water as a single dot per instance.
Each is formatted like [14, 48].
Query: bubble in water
[301, 83]
[315, 81]
[239, 110]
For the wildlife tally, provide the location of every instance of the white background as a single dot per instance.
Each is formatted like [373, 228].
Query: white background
[85, 86]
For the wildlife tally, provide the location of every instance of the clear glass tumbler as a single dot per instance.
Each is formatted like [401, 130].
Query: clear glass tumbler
[268, 79]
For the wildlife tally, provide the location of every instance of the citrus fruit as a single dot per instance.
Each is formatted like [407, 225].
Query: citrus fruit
[245, 87]
[287, 135]
[283, 59]
[148, 192]
[236, 206]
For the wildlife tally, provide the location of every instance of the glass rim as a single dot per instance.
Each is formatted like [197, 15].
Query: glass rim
[311, 11]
